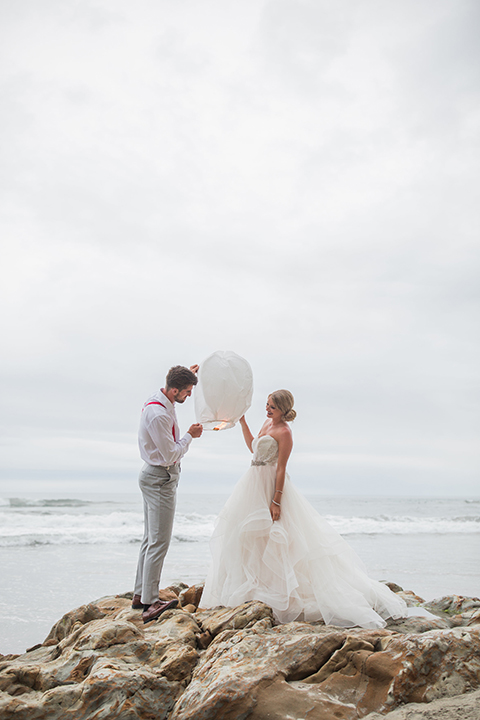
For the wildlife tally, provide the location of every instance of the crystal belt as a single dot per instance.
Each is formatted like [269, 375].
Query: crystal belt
[258, 462]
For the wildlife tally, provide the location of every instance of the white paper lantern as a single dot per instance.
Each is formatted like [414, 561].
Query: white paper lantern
[224, 390]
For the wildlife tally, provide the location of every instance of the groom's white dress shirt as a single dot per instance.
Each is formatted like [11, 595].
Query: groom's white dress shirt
[159, 435]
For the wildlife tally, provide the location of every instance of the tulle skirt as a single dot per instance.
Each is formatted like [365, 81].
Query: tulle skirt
[299, 566]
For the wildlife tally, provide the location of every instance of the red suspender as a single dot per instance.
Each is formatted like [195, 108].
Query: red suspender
[154, 402]
[163, 406]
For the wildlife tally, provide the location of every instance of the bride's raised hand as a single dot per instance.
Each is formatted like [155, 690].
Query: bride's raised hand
[247, 435]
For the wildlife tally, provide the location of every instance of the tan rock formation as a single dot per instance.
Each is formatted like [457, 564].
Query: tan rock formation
[461, 610]
[192, 595]
[217, 620]
[101, 661]
[246, 673]
[106, 667]
[460, 707]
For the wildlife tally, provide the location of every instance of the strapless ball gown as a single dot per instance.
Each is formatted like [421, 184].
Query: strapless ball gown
[299, 566]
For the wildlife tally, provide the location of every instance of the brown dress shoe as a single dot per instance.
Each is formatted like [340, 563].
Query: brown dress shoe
[156, 609]
[137, 602]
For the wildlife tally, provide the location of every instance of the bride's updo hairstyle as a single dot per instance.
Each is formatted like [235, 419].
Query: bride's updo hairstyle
[284, 401]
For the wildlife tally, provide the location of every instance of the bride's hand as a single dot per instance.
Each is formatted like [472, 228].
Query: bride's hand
[274, 511]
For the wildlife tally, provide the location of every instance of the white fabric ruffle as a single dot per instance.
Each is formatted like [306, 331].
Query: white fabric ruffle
[299, 566]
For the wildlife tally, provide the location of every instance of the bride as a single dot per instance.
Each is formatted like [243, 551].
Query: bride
[270, 544]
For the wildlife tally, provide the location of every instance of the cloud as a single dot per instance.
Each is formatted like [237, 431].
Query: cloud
[292, 180]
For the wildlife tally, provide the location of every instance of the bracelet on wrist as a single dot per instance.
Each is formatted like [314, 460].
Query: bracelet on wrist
[275, 503]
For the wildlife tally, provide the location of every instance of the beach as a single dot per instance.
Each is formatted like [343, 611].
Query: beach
[58, 553]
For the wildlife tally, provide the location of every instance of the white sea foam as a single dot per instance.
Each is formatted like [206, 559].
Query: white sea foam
[47, 528]
[48, 502]
[404, 525]
[28, 522]
[68, 552]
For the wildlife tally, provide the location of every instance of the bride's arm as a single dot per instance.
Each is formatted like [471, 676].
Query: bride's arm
[285, 444]
[248, 437]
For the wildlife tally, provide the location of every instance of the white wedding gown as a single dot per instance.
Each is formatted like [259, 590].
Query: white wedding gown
[299, 566]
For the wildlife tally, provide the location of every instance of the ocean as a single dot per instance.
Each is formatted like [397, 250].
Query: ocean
[59, 553]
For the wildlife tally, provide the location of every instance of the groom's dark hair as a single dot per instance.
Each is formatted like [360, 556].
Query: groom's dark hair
[180, 377]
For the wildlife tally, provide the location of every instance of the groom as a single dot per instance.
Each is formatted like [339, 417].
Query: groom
[162, 448]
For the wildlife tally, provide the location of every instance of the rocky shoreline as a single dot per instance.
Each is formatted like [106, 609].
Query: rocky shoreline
[99, 661]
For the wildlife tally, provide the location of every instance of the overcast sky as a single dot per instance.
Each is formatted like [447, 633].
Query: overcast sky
[294, 180]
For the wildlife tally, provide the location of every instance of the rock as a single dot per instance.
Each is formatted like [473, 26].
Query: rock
[411, 598]
[460, 610]
[257, 667]
[460, 707]
[192, 595]
[178, 587]
[438, 663]
[204, 639]
[189, 608]
[418, 624]
[34, 647]
[453, 604]
[107, 667]
[125, 596]
[82, 615]
[326, 673]
[218, 619]
[100, 661]
[393, 586]
[339, 656]
[167, 594]
[174, 625]
[471, 617]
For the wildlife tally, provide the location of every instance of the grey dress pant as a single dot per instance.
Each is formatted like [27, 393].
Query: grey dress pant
[159, 489]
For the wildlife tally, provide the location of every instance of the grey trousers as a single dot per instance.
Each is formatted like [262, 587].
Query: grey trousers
[159, 490]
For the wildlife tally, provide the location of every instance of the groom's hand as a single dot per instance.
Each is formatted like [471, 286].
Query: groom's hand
[195, 430]
[194, 368]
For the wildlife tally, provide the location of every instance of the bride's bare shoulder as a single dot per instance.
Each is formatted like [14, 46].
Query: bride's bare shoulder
[282, 433]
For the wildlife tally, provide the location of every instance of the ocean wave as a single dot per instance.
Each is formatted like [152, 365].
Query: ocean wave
[69, 520]
[118, 518]
[42, 539]
[115, 527]
[388, 525]
[63, 540]
[24, 528]
[49, 503]
[185, 538]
